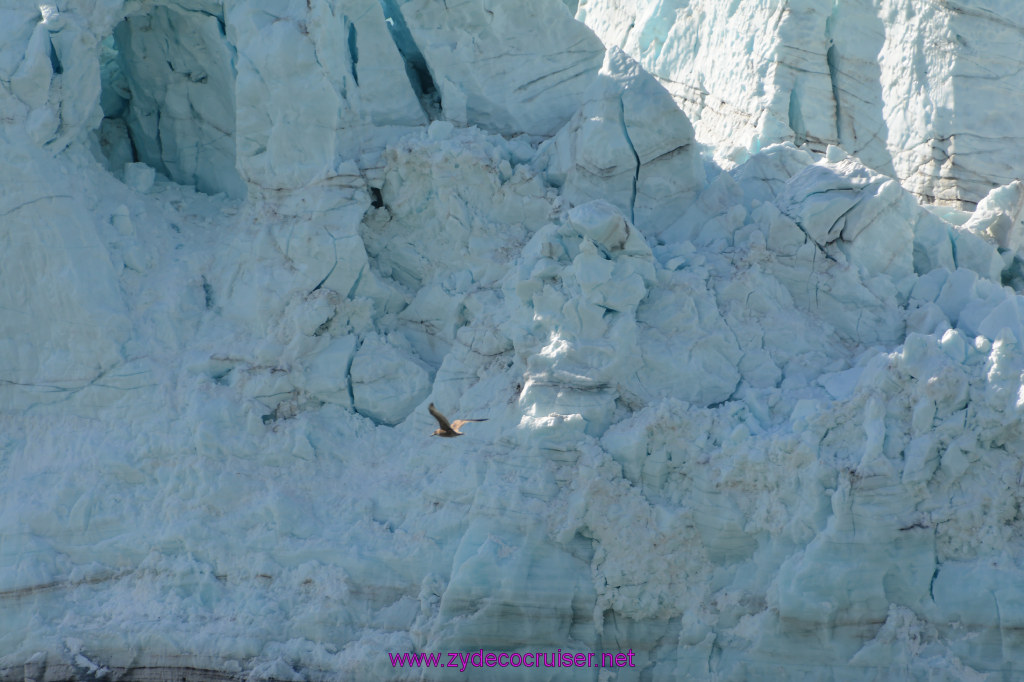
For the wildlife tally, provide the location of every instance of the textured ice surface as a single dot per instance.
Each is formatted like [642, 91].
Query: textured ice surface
[928, 91]
[755, 423]
[628, 144]
[510, 67]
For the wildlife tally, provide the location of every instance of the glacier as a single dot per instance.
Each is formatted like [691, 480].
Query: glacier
[735, 284]
[922, 91]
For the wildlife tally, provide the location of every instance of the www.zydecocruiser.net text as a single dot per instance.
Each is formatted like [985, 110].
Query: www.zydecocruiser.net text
[541, 659]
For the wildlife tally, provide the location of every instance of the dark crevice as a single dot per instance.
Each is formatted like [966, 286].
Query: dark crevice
[131, 143]
[55, 64]
[157, 162]
[326, 277]
[636, 170]
[796, 118]
[415, 64]
[376, 198]
[1013, 274]
[330, 272]
[325, 326]
[348, 376]
[355, 284]
[207, 293]
[221, 376]
[353, 50]
[832, 60]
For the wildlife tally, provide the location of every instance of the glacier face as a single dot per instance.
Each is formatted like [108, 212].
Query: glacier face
[924, 91]
[760, 422]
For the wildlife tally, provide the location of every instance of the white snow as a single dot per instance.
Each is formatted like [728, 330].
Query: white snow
[756, 422]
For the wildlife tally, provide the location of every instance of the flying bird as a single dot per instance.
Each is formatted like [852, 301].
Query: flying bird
[448, 430]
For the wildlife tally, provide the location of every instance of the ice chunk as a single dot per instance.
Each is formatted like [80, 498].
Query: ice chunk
[139, 176]
[387, 381]
[326, 372]
[680, 320]
[977, 254]
[629, 145]
[507, 68]
[834, 203]
[933, 244]
[608, 229]
[716, 214]
[998, 216]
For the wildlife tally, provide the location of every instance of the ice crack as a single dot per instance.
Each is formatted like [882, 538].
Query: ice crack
[636, 170]
[416, 67]
[832, 60]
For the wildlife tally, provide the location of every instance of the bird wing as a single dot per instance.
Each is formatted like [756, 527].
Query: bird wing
[459, 422]
[442, 421]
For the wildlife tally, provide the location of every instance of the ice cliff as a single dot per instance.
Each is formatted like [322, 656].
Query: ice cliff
[754, 412]
[925, 91]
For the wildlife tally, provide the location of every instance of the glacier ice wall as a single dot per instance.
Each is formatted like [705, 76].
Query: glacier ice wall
[926, 91]
[181, 110]
[761, 422]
